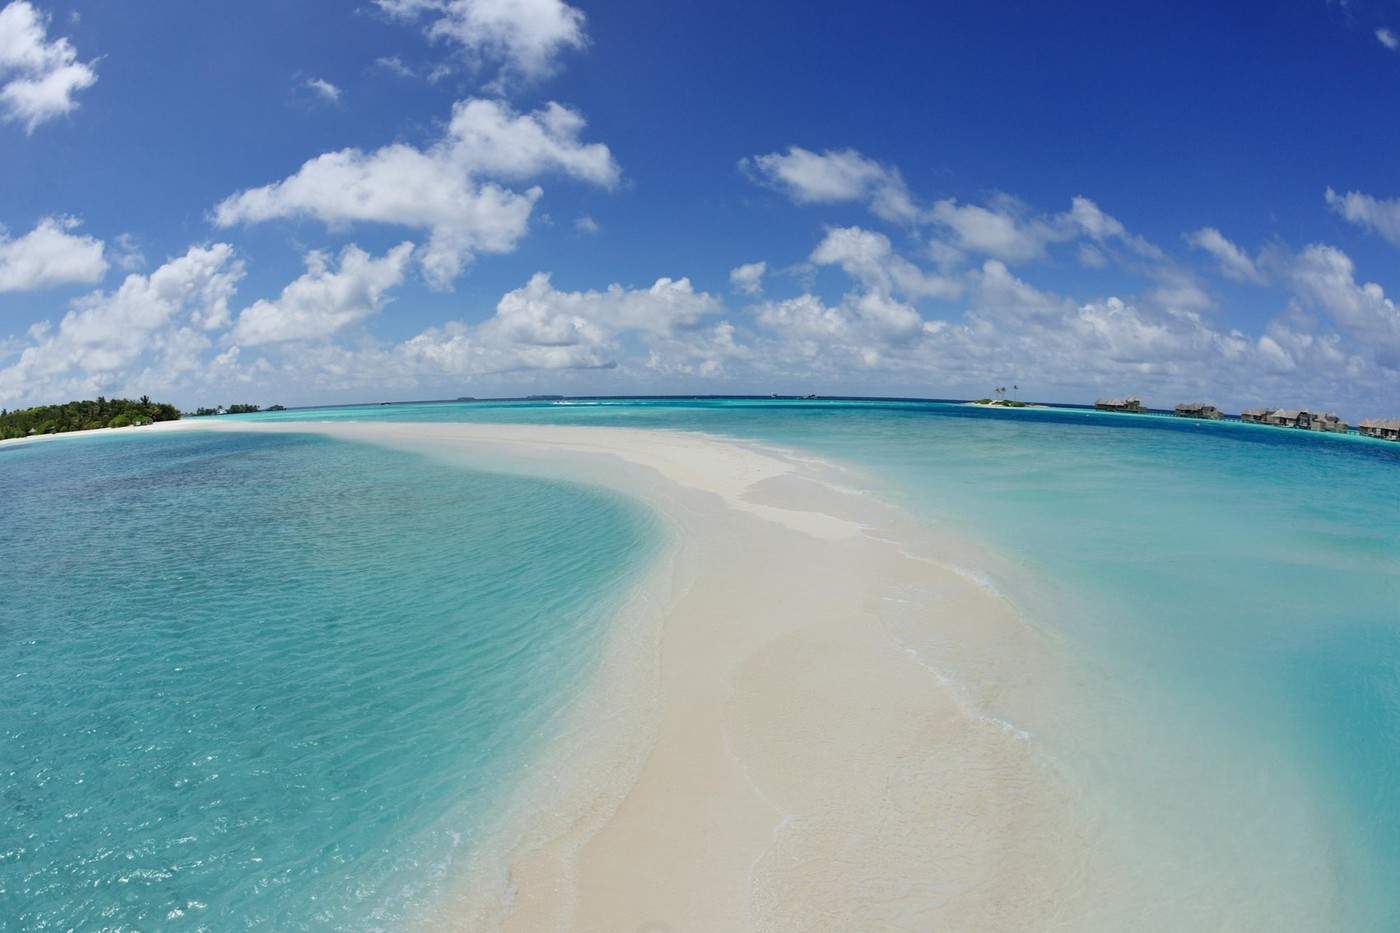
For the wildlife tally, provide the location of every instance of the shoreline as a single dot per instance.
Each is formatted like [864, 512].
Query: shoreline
[759, 749]
[819, 710]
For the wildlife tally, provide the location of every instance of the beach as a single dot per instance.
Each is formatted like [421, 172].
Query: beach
[758, 751]
[852, 667]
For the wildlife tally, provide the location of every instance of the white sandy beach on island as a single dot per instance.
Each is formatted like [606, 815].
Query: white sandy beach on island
[758, 750]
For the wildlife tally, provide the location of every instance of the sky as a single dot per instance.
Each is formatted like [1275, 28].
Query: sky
[359, 200]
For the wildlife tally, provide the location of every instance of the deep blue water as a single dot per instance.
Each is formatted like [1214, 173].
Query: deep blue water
[276, 681]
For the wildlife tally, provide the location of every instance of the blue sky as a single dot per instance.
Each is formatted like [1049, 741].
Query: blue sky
[336, 201]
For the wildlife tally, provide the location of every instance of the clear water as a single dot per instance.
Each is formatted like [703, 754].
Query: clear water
[276, 681]
[1231, 591]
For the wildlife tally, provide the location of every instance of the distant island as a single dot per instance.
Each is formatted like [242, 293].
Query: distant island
[86, 415]
[234, 410]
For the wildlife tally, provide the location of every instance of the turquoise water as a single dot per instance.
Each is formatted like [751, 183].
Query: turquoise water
[277, 681]
[1232, 591]
[1229, 594]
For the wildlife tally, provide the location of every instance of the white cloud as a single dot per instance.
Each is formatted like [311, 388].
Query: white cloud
[323, 90]
[439, 189]
[324, 300]
[39, 76]
[127, 254]
[394, 66]
[1006, 229]
[1388, 38]
[870, 258]
[586, 225]
[50, 255]
[748, 278]
[146, 331]
[538, 327]
[525, 37]
[1234, 262]
[1368, 213]
[835, 176]
[1325, 277]
[1003, 230]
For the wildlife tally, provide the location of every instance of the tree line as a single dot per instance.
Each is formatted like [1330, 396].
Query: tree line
[84, 416]
[234, 410]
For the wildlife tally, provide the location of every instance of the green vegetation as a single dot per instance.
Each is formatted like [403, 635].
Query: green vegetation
[84, 416]
[233, 410]
[1000, 402]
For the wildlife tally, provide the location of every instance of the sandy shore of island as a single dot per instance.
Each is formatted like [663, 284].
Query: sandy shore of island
[760, 750]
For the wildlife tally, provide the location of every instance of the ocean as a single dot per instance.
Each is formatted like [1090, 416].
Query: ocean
[1222, 602]
[277, 681]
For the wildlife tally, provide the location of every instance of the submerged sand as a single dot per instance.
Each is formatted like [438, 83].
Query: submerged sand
[760, 749]
[800, 722]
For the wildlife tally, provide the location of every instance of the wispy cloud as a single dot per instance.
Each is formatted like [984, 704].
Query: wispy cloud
[323, 90]
[1388, 38]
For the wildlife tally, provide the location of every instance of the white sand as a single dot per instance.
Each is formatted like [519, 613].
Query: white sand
[759, 750]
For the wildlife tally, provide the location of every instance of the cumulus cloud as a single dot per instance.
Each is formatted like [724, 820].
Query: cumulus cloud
[1325, 277]
[324, 300]
[586, 225]
[539, 327]
[147, 331]
[832, 177]
[439, 189]
[1002, 230]
[525, 38]
[1006, 229]
[1234, 262]
[39, 76]
[1368, 213]
[869, 258]
[50, 255]
[747, 279]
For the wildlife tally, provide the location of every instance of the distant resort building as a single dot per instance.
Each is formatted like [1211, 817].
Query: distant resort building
[1385, 428]
[1198, 410]
[1256, 415]
[1305, 420]
[1132, 404]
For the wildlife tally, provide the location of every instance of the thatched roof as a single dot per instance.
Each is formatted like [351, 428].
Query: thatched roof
[1257, 412]
[1287, 414]
[1388, 424]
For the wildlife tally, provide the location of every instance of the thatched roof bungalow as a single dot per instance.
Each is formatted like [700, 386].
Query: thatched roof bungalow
[1198, 410]
[1306, 420]
[1325, 421]
[1283, 417]
[1132, 403]
[1256, 415]
[1384, 428]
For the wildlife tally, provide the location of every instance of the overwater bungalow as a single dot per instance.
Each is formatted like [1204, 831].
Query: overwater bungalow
[1198, 410]
[1306, 420]
[1132, 403]
[1256, 415]
[1325, 421]
[1384, 428]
